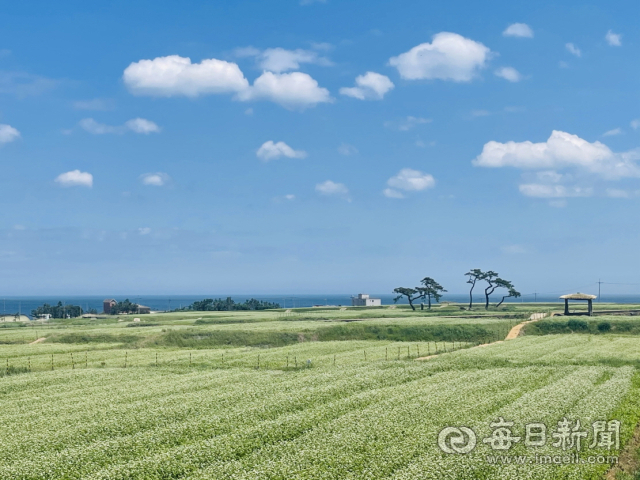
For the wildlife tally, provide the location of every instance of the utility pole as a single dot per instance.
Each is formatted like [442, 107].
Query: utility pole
[599, 283]
[535, 296]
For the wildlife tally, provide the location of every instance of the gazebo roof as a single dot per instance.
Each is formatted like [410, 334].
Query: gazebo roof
[578, 296]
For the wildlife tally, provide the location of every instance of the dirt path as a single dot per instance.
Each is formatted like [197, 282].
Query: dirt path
[517, 330]
[40, 340]
[513, 333]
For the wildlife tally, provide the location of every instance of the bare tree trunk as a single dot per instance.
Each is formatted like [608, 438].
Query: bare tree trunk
[486, 295]
[429, 302]
[411, 303]
[471, 294]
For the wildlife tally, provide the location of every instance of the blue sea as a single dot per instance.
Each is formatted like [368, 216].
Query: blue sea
[24, 305]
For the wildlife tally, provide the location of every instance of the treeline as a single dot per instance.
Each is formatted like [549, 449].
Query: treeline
[123, 307]
[430, 289]
[58, 311]
[218, 304]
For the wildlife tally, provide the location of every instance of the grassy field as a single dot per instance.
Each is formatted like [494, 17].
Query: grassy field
[230, 395]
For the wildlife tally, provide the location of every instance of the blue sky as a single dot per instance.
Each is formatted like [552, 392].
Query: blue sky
[317, 146]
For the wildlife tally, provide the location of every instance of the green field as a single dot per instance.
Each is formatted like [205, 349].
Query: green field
[309, 394]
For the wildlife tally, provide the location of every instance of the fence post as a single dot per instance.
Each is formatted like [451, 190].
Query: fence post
[386, 353]
[86, 361]
[125, 359]
[365, 355]
[73, 364]
[52, 361]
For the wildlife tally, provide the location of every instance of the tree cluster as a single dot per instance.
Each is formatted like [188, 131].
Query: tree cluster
[493, 282]
[218, 304]
[124, 307]
[57, 311]
[429, 289]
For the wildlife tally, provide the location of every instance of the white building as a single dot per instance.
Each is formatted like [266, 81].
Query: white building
[363, 300]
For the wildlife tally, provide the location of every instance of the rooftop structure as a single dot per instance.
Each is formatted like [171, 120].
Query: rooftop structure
[578, 296]
[363, 300]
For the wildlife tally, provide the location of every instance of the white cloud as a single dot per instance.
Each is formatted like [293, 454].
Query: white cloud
[140, 125]
[157, 179]
[613, 39]
[611, 133]
[553, 191]
[281, 60]
[137, 125]
[616, 193]
[635, 124]
[572, 49]
[270, 151]
[75, 178]
[408, 180]
[346, 149]
[94, 104]
[407, 123]
[370, 86]
[561, 150]
[248, 112]
[518, 30]
[448, 57]
[177, 76]
[290, 197]
[8, 133]
[391, 193]
[508, 73]
[333, 189]
[480, 113]
[144, 230]
[291, 90]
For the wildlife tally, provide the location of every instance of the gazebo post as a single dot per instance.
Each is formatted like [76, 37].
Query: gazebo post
[566, 306]
[590, 307]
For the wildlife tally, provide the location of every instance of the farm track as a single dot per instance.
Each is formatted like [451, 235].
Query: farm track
[513, 333]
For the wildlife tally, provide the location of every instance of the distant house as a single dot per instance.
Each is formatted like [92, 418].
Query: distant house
[363, 300]
[143, 309]
[107, 304]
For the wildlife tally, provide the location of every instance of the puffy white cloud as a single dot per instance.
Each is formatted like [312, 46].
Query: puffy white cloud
[346, 149]
[573, 50]
[177, 76]
[291, 90]
[518, 30]
[408, 180]
[290, 197]
[553, 191]
[508, 73]
[561, 150]
[137, 125]
[334, 189]
[157, 179]
[140, 125]
[613, 39]
[370, 86]
[144, 231]
[280, 60]
[635, 124]
[611, 133]
[8, 133]
[75, 178]
[448, 57]
[270, 151]
[391, 193]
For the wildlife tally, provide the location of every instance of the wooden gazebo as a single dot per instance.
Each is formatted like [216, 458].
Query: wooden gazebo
[578, 296]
